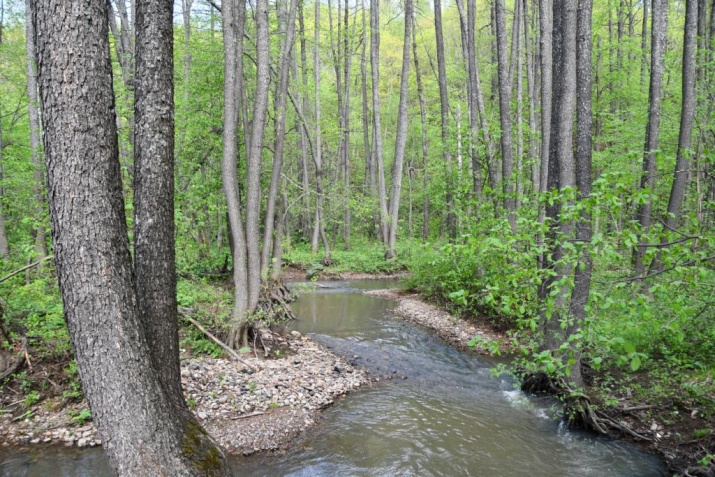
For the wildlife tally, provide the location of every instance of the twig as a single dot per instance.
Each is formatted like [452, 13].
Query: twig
[638, 408]
[219, 342]
[20, 270]
[246, 416]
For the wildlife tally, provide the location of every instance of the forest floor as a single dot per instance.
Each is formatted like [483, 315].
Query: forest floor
[246, 410]
[660, 425]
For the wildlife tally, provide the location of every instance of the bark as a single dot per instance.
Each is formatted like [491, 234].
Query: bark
[35, 133]
[519, 102]
[474, 91]
[644, 39]
[561, 165]
[505, 113]
[186, 15]
[347, 69]
[423, 122]
[365, 111]
[376, 125]
[658, 42]
[154, 231]
[444, 114]
[253, 163]
[546, 60]
[303, 105]
[143, 432]
[401, 135]
[4, 246]
[229, 175]
[687, 117]
[531, 92]
[279, 144]
[584, 148]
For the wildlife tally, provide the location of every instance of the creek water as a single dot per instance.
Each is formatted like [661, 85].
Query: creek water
[436, 411]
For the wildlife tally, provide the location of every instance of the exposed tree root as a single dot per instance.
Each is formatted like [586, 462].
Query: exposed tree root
[273, 304]
[577, 406]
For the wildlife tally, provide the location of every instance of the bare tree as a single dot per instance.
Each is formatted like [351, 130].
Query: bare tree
[144, 433]
[376, 125]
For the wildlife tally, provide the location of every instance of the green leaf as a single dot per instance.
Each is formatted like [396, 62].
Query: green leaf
[635, 363]
[551, 367]
[628, 346]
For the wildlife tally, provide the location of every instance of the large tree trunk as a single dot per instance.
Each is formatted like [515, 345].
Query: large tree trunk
[376, 125]
[687, 117]
[584, 147]
[144, 433]
[253, 163]
[444, 114]
[561, 167]
[401, 135]
[154, 232]
[505, 113]
[237, 238]
[38, 184]
[658, 40]
[423, 122]
[279, 144]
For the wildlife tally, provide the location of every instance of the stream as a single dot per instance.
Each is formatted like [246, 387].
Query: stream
[436, 411]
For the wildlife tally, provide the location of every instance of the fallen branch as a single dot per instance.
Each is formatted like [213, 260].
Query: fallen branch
[20, 270]
[219, 342]
[246, 416]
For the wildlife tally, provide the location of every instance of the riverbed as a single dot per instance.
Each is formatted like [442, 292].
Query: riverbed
[435, 411]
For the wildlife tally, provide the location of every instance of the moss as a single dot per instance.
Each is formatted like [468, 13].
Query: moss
[198, 448]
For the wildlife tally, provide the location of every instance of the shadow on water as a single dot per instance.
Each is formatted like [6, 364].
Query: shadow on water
[441, 413]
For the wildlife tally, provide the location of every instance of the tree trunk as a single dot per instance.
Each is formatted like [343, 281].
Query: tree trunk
[253, 163]
[546, 60]
[143, 432]
[376, 125]
[584, 148]
[401, 135]
[531, 92]
[644, 40]
[277, 170]
[687, 116]
[237, 239]
[658, 41]
[519, 102]
[347, 69]
[35, 133]
[505, 113]
[303, 105]
[423, 122]
[444, 113]
[4, 246]
[186, 15]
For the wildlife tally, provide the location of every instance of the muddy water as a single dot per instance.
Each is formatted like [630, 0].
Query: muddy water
[439, 413]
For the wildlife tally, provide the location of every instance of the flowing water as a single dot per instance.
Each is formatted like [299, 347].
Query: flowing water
[441, 413]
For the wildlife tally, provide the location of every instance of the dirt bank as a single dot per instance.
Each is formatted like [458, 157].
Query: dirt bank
[245, 411]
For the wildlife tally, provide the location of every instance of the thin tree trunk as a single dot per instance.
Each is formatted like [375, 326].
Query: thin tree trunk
[423, 123]
[531, 92]
[546, 58]
[376, 125]
[238, 336]
[303, 104]
[347, 69]
[658, 41]
[687, 117]
[277, 170]
[4, 246]
[35, 132]
[644, 40]
[143, 432]
[505, 114]
[186, 15]
[401, 135]
[444, 113]
[519, 102]
[253, 163]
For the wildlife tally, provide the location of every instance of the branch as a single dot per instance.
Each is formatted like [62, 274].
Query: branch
[218, 342]
[19, 270]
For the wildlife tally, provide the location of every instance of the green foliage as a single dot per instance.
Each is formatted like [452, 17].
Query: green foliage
[80, 417]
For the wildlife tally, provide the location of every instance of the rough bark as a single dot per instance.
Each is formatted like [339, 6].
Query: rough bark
[658, 40]
[143, 432]
[687, 117]
[229, 175]
[401, 135]
[444, 114]
[584, 148]
[505, 113]
[154, 231]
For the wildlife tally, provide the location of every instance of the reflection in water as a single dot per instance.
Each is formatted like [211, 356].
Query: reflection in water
[447, 417]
